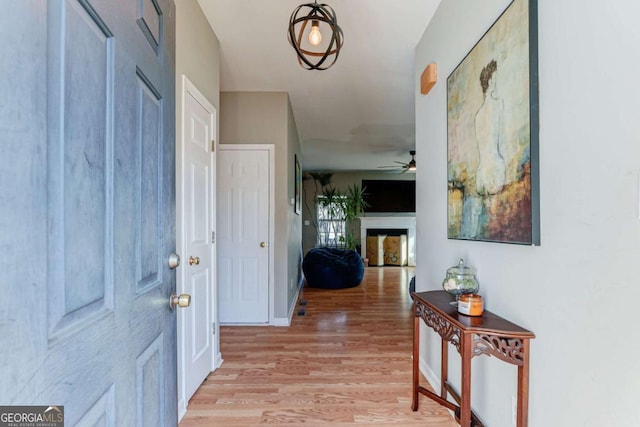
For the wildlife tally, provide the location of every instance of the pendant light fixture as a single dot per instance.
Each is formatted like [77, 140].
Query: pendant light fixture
[315, 35]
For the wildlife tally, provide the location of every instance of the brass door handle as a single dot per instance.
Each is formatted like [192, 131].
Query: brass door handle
[263, 244]
[194, 260]
[182, 300]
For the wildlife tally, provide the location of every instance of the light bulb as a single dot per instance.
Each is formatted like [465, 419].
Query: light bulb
[315, 37]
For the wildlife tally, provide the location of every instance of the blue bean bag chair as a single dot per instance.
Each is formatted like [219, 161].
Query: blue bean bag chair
[330, 268]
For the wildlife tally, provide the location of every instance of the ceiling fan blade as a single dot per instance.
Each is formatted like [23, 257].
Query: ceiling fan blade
[402, 167]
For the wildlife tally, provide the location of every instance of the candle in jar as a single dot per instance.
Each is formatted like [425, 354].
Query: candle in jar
[470, 305]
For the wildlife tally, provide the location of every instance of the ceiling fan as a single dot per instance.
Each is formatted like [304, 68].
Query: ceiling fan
[402, 166]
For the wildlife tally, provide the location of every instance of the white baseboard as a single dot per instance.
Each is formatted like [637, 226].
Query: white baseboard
[218, 361]
[432, 379]
[286, 321]
[182, 409]
[429, 374]
[281, 321]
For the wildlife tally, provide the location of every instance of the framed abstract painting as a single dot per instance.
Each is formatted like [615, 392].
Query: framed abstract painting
[492, 134]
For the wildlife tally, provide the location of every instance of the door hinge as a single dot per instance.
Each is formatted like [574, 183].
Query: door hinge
[213, 145]
[213, 237]
[213, 328]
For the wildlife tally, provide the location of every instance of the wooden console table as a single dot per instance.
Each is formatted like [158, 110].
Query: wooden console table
[472, 336]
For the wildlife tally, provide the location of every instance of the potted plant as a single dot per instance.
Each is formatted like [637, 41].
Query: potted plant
[337, 206]
[320, 181]
[354, 205]
[343, 206]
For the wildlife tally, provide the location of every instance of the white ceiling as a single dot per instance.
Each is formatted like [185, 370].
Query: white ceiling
[357, 115]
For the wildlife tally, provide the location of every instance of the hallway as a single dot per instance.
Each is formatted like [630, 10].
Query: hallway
[347, 361]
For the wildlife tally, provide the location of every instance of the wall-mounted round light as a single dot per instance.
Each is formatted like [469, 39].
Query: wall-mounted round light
[315, 35]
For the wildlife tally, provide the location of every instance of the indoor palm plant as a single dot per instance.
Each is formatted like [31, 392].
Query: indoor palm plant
[344, 206]
[354, 205]
[332, 206]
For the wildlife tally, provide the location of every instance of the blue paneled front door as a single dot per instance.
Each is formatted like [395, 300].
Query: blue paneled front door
[87, 209]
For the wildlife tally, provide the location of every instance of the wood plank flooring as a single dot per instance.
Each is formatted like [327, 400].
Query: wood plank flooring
[346, 362]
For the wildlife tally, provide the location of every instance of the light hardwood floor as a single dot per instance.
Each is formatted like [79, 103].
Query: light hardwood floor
[346, 361]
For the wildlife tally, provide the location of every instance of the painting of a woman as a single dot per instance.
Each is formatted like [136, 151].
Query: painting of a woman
[492, 195]
[490, 173]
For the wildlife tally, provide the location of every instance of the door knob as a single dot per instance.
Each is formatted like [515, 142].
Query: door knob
[182, 300]
[263, 244]
[194, 260]
[174, 260]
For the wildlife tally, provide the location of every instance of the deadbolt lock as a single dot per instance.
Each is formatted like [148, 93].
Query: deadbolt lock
[174, 261]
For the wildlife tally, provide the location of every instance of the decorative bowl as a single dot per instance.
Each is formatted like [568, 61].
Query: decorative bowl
[460, 279]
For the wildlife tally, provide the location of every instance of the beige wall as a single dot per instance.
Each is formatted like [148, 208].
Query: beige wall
[266, 118]
[197, 52]
[294, 234]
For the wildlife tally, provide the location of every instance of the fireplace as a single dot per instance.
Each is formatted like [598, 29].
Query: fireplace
[386, 231]
[374, 225]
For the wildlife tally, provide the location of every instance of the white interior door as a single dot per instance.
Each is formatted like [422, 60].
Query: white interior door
[87, 209]
[243, 234]
[197, 335]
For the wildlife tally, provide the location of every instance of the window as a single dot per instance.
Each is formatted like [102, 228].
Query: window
[331, 221]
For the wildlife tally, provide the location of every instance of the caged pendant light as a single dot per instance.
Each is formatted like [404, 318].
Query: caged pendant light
[306, 26]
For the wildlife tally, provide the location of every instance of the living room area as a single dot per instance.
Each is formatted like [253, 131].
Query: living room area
[382, 231]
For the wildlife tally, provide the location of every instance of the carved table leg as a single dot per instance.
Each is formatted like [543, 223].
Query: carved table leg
[465, 400]
[416, 357]
[523, 386]
[444, 369]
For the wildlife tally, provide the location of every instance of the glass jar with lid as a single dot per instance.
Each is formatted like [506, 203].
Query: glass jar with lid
[460, 279]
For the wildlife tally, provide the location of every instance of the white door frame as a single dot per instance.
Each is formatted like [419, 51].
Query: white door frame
[181, 242]
[270, 148]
